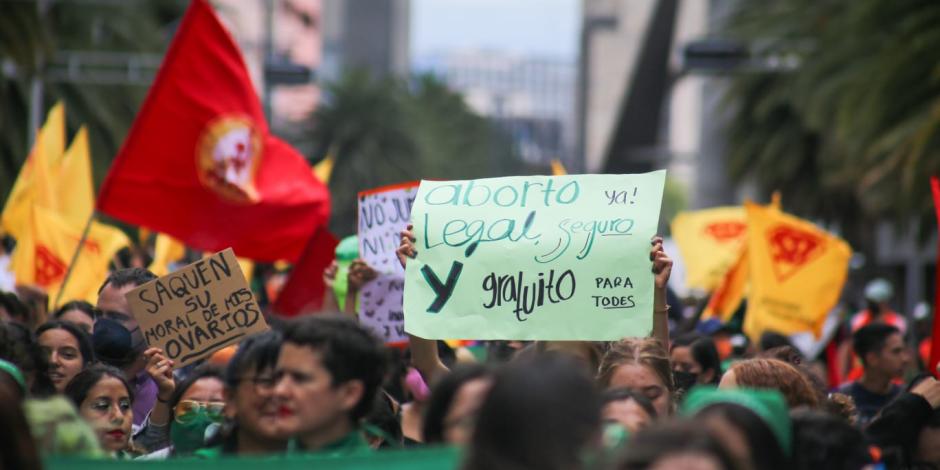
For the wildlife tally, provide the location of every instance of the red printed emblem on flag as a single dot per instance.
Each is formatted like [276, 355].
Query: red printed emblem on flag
[227, 158]
[49, 268]
[791, 249]
[724, 232]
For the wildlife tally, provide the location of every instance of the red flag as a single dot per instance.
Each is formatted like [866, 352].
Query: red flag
[199, 163]
[304, 290]
[935, 339]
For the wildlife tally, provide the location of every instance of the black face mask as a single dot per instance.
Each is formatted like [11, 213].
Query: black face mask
[114, 343]
[684, 380]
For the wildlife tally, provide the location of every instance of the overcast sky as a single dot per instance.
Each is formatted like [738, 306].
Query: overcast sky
[538, 27]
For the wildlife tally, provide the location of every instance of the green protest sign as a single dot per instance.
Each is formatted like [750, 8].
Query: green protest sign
[535, 257]
[430, 458]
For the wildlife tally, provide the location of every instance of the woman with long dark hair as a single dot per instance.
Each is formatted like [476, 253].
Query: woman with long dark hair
[103, 398]
[67, 348]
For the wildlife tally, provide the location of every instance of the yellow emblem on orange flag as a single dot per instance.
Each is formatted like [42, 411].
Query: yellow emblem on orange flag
[709, 242]
[797, 273]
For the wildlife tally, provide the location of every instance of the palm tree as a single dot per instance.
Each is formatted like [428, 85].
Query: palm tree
[38, 44]
[385, 131]
[852, 132]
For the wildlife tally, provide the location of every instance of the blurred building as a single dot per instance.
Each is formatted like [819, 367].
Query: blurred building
[612, 36]
[646, 101]
[531, 98]
[285, 34]
[640, 108]
[370, 34]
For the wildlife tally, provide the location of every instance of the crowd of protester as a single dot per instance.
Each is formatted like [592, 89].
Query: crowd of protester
[86, 384]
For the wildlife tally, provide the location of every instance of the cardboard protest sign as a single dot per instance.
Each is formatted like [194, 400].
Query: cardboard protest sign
[536, 257]
[198, 309]
[383, 213]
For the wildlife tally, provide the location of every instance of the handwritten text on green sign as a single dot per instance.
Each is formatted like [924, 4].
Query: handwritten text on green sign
[533, 257]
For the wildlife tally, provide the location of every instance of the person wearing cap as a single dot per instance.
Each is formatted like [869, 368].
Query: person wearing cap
[753, 425]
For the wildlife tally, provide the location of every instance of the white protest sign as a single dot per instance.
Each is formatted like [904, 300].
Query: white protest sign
[383, 213]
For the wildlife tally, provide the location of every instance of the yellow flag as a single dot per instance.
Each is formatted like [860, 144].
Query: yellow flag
[324, 169]
[38, 193]
[91, 268]
[43, 253]
[797, 273]
[74, 191]
[248, 268]
[727, 297]
[558, 169]
[50, 143]
[166, 250]
[709, 242]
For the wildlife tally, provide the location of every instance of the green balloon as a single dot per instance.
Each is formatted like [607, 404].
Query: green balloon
[346, 251]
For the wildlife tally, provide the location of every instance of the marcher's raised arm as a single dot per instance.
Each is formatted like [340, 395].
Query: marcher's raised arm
[662, 268]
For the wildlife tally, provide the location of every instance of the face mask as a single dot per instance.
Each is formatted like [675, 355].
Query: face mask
[684, 380]
[191, 435]
[114, 344]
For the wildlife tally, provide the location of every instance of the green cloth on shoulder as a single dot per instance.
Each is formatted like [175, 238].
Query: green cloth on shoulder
[353, 443]
[209, 453]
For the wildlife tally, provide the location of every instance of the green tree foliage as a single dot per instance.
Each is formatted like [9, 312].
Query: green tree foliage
[386, 131]
[849, 127]
[34, 44]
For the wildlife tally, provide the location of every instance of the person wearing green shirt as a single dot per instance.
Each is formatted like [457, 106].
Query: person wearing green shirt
[251, 411]
[327, 374]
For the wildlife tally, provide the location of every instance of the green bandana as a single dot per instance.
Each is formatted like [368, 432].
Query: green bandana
[769, 405]
[191, 435]
[14, 372]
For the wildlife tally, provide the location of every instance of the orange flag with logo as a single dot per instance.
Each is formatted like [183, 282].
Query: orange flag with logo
[710, 243]
[797, 273]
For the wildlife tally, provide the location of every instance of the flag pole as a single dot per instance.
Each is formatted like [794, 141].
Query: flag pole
[78, 250]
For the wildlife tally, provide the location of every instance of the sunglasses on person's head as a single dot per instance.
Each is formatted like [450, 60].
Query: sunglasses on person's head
[188, 410]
